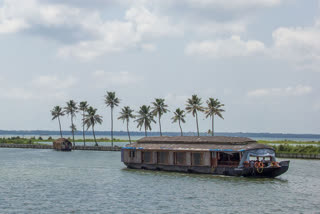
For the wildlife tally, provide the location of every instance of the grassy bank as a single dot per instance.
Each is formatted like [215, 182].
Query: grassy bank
[299, 149]
[289, 142]
[33, 140]
[296, 147]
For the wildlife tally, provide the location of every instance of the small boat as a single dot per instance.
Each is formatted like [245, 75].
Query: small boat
[62, 144]
[218, 155]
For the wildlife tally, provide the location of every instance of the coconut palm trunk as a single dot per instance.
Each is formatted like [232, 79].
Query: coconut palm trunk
[160, 124]
[197, 123]
[128, 131]
[212, 132]
[94, 136]
[60, 126]
[180, 128]
[112, 127]
[84, 135]
[72, 129]
[145, 131]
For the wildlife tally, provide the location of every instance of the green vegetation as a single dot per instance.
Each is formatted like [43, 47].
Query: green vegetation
[213, 108]
[289, 142]
[194, 106]
[91, 119]
[111, 101]
[33, 140]
[179, 116]
[159, 108]
[299, 149]
[83, 106]
[71, 109]
[125, 115]
[145, 118]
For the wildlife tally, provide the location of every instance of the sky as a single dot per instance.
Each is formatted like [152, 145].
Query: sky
[260, 58]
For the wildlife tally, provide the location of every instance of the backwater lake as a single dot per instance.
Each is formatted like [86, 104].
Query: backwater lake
[48, 181]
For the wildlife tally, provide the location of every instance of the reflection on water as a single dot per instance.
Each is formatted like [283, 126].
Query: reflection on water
[47, 181]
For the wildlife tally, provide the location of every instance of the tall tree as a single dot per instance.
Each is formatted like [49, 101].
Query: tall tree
[194, 106]
[125, 115]
[145, 118]
[91, 119]
[111, 100]
[159, 108]
[214, 107]
[57, 112]
[83, 106]
[71, 109]
[179, 116]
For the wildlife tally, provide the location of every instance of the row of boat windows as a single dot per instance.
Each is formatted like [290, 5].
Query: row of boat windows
[180, 158]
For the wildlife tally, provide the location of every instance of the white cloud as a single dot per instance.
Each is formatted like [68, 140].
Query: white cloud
[298, 90]
[176, 100]
[216, 4]
[149, 47]
[300, 46]
[231, 47]
[122, 78]
[53, 82]
[39, 88]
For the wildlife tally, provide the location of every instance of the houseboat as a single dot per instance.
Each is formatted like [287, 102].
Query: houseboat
[232, 156]
[62, 144]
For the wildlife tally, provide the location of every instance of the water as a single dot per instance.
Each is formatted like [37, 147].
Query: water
[47, 181]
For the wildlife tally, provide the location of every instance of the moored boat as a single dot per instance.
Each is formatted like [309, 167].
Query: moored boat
[219, 155]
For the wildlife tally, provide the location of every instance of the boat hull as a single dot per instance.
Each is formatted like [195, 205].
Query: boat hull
[269, 172]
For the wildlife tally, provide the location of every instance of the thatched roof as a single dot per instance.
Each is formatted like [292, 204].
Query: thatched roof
[217, 143]
[61, 140]
[197, 140]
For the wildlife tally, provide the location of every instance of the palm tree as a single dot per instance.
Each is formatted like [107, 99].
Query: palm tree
[213, 108]
[83, 106]
[57, 112]
[71, 109]
[91, 119]
[145, 118]
[193, 106]
[112, 101]
[125, 115]
[159, 108]
[179, 116]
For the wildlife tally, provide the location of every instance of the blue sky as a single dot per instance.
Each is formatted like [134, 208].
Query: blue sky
[259, 57]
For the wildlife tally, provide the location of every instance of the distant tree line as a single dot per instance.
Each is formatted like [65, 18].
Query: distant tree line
[144, 118]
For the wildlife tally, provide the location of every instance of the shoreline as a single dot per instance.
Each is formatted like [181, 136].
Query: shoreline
[116, 148]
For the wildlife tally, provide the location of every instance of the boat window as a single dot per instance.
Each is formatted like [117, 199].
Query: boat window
[147, 157]
[163, 157]
[228, 159]
[197, 159]
[132, 154]
[181, 158]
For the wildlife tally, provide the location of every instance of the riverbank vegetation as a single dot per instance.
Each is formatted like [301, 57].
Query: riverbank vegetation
[289, 142]
[298, 149]
[40, 140]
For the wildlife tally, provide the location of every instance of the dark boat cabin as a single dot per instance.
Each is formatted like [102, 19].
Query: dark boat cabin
[62, 144]
[212, 155]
